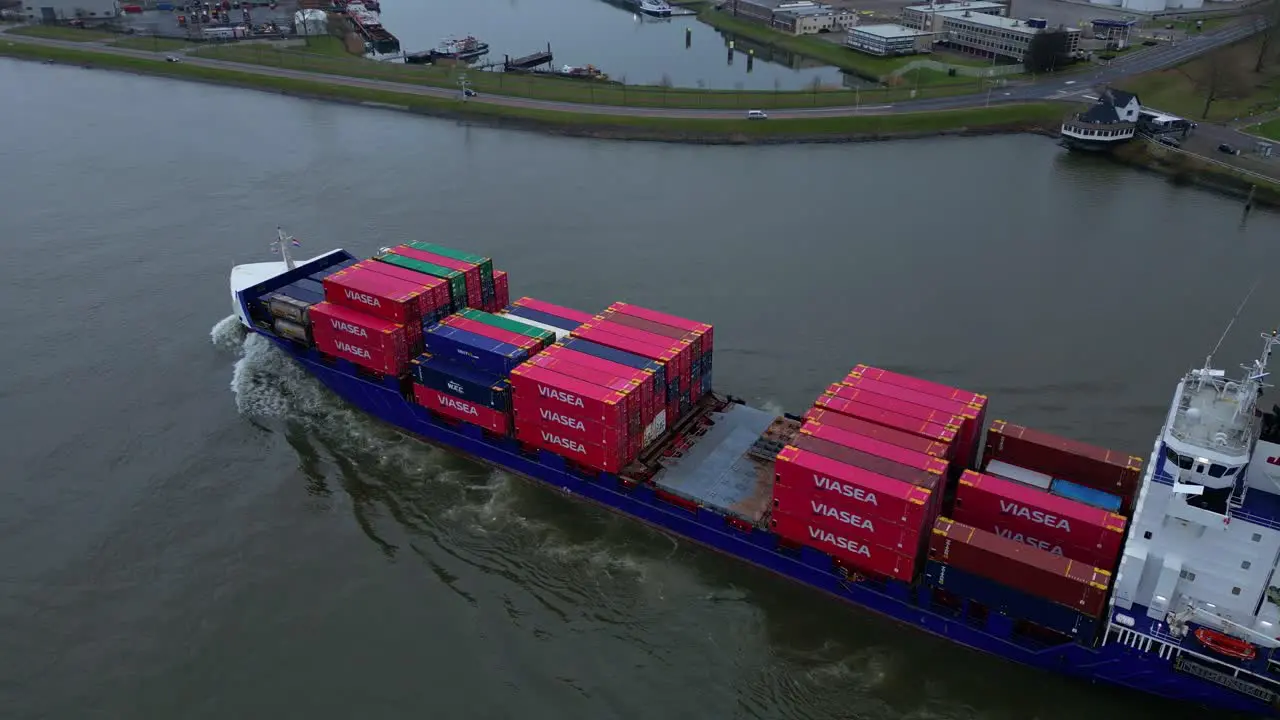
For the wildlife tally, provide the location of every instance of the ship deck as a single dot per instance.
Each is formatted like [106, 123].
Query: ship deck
[717, 471]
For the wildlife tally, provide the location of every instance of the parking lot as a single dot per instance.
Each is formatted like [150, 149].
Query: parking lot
[163, 23]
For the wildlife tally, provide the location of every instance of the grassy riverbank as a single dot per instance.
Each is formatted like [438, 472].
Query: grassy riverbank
[1007, 118]
[320, 56]
[1187, 169]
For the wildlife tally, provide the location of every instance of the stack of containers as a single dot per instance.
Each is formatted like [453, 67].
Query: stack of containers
[1016, 579]
[866, 520]
[370, 342]
[464, 373]
[477, 272]
[655, 375]
[436, 287]
[1055, 524]
[501, 292]
[288, 306]
[549, 315]
[382, 296]
[411, 259]
[699, 334]
[587, 414]
[969, 406]
[482, 265]
[1061, 465]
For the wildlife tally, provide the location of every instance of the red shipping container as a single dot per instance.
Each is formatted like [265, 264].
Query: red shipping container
[459, 409]
[470, 271]
[558, 310]
[436, 295]
[970, 429]
[902, 439]
[1020, 566]
[367, 341]
[381, 296]
[852, 488]
[880, 448]
[596, 457]
[648, 404]
[887, 418]
[553, 390]
[1088, 465]
[704, 330]
[929, 480]
[695, 342]
[616, 439]
[800, 503]
[493, 333]
[860, 556]
[683, 354]
[919, 385]
[617, 342]
[1080, 532]
[501, 291]
[840, 397]
[631, 390]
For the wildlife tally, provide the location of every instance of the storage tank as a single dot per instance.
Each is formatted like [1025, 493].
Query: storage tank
[1144, 6]
[310, 22]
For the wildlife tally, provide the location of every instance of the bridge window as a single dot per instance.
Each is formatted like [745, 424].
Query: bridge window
[1187, 575]
[1232, 471]
[1216, 470]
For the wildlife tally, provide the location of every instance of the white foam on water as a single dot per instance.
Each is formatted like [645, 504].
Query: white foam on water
[228, 333]
[773, 407]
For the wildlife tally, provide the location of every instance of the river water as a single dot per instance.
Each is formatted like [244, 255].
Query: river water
[608, 34]
[194, 529]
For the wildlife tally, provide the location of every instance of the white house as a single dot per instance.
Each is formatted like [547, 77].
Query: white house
[1112, 120]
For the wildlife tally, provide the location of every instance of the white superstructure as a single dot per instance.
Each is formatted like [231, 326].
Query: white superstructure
[1200, 559]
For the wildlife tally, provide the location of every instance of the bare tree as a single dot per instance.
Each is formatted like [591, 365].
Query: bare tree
[1267, 22]
[815, 85]
[1217, 79]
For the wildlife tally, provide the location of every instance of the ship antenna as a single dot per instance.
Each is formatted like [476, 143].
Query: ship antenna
[282, 245]
[1209, 358]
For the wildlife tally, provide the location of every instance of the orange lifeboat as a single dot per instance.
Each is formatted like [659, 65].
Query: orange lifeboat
[1226, 645]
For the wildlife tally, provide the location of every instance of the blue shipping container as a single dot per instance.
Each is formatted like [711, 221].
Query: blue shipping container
[621, 357]
[482, 353]
[545, 318]
[310, 284]
[1088, 496]
[463, 382]
[321, 275]
[297, 292]
[1007, 601]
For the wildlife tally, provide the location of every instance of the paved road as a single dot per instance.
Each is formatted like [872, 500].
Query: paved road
[1068, 87]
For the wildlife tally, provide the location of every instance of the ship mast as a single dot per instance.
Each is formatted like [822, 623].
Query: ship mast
[282, 244]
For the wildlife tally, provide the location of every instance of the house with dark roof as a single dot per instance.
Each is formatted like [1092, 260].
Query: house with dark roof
[1112, 120]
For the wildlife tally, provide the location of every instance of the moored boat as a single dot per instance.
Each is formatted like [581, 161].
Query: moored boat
[466, 48]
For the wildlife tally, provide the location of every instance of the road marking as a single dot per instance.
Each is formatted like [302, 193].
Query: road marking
[1090, 97]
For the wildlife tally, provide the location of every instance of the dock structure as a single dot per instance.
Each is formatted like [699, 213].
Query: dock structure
[542, 57]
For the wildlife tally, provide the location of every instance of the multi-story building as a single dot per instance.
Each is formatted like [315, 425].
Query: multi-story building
[795, 17]
[928, 17]
[996, 35]
[50, 11]
[888, 40]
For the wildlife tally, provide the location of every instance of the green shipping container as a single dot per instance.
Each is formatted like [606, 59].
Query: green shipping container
[456, 279]
[486, 264]
[543, 337]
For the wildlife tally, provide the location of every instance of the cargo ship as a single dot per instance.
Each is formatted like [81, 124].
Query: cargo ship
[368, 24]
[891, 492]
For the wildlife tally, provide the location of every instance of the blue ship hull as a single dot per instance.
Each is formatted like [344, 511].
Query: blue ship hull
[1112, 662]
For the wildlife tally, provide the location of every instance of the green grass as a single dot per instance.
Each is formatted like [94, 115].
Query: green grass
[1003, 117]
[1241, 91]
[62, 32]
[587, 92]
[324, 45]
[1269, 129]
[154, 44]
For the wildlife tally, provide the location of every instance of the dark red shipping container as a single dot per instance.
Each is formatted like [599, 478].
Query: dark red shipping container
[902, 439]
[470, 271]
[617, 342]
[860, 556]
[559, 311]
[381, 296]
[648, 401]
[929, 480]
[799, 502]
[494, 333]
[1077, 462]
[596, 457]
[550, 389]
[880, 448]
[704, 330]
[852, 488]
[437, 295]
[459, 409]
[501, 291]
[847, 394]
[683, 360]
[695, 342]
[1020, 566]
[367, 341]
[887, 418]
[970, 429]
[1057, 524]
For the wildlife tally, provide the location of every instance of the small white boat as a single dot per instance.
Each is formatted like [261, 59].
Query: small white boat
[659, 8]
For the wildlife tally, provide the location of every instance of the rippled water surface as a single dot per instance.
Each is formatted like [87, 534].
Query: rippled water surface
[192, 528]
